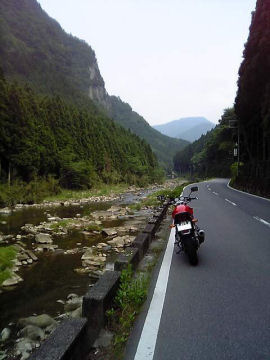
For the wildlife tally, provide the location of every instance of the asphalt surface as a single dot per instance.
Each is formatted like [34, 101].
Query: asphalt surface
[220, 308]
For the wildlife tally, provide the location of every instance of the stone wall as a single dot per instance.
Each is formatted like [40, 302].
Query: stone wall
[73, 338]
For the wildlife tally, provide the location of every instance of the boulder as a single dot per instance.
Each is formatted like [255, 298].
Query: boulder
[72, 296]
[31, 255]
[5, 334]
[32, 332]
[76, 313]
[73, 304]
[41, 321]
[109, 232]
[22, 256]
[5, 211]
[87, 255]
[53, 218]
[46, 247]
[29, 228]
[117, 242]
[24, 348]
[49, 329]
[13, 280]
[43, 239]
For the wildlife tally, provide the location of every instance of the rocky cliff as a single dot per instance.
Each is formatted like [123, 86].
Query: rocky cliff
[35, 49]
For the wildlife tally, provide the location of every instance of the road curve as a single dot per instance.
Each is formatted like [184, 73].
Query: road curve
[220, 308]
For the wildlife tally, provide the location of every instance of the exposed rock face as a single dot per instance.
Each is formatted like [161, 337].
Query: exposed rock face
[97, 91]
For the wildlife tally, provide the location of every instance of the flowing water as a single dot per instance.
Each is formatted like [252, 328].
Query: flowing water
[53, 276]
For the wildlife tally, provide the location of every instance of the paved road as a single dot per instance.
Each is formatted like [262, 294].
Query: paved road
[220, 308]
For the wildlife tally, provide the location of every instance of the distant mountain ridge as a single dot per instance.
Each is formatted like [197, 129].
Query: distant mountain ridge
[190, 128]
[35, 49]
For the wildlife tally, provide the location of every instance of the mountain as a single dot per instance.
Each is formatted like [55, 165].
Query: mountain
[164, 147]
[48, 123]
[189, 129]
[35, 49]
[212, 153]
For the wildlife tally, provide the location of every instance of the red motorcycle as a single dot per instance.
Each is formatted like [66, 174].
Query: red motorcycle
[188, 236]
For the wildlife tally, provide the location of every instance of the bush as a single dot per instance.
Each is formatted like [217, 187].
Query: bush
[28, 193]
[7, 254]
[78, 175]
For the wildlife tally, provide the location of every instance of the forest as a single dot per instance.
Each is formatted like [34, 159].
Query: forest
[246, 127]
[212, 154]
[43, 137]
[252, 104]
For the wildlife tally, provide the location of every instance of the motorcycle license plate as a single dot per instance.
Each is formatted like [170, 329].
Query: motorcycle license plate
[184, 225]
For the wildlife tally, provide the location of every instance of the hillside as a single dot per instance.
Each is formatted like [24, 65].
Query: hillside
[42, 136]
[189, 129]
[211, 154]
[164, 147]
[35, 49]
[252, 104]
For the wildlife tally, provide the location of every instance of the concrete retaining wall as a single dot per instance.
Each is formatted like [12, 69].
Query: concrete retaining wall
[73, 338]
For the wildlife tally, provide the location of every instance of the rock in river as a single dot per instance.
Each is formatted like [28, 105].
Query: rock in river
[14, 280]
[109, 232]
[41, 321]
[32, 332]
[43, 239]
[5, 334]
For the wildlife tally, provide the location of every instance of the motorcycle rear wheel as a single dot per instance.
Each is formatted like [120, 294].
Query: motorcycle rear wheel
[192, 254]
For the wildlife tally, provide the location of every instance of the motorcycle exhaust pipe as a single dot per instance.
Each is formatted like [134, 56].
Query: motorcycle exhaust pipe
[201, 236]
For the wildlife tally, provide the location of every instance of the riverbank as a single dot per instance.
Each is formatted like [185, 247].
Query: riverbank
[66, 245]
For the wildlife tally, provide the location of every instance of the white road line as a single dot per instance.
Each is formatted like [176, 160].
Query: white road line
[262, 221]
[147, 344]
[215, 193]
[229, 201]
[246, 193]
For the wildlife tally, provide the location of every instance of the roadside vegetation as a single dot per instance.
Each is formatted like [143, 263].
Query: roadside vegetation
[152, 199]
[130, 296]
[7, 255]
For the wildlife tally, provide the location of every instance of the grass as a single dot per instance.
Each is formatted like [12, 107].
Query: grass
[103, 190]
[60, 224]
[128, 302]
[152, 201]
[93, 227]
[130, 296]
[7, 254]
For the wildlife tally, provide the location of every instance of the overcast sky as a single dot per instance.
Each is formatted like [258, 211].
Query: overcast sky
[167, 58]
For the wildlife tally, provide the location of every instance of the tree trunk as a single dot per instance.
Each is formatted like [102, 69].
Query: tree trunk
[9, 174]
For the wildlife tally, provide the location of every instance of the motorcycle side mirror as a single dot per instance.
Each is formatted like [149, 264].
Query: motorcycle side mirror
[194, 188]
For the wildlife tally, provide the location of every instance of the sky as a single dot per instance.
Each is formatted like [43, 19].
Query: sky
[167, 58]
